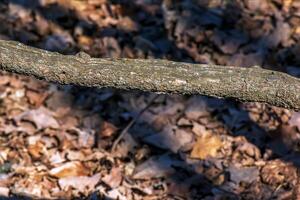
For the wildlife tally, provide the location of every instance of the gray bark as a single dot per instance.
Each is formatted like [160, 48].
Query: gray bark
[244, 84]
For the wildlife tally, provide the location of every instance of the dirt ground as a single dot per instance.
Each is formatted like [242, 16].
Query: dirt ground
[59, 141]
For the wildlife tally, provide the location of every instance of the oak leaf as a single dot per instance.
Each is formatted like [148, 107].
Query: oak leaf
[206, 146]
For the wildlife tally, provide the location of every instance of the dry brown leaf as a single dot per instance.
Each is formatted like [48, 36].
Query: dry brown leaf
[15, 82]
[287, 4]
[84, 155]
[68, 122]
[83, 184]
[170, 139]
[36, 149]
[17, 95]
[127, 24]
[78, 5]
[60, 99]
[206, 146]
[41, 117]
[4, 79]
[92, 122]
[85, 41]
[196, 108]
[57, 158]
[107, 129]
[75, 155]
[74, 168]
[200, 130]
[86, 138]
[156, 167]
[21, 128]
[243, 174]
[35, 184]
[36, 98]
[297, 30]
[276, 172]
[113, 179]
[116, 194]
[184, 122]
[35, 146]
[125, 147]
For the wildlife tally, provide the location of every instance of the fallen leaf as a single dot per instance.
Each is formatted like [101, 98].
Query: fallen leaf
[36, 98]
[4, 79]
[59, 42]
[247, 60]
[36, 149]
[75, 155]
[17, 95]
[197, 107]
[74, 168]
[115, 194]
[287, 4]
[42, 24]
[243, 174]
[182, 188]
[229, 42]
[86, 138]
[92, 122]
[85, 41]
[156, 167]
[206, 146]
[83, 184]
[59, 99]
[18, 11]
[112, 47]
[57, 158]
[256, 5]
[277, 172]
[36, 184]
[127, 24]
[114, 178]
[67, 122]
[125, 146]
[200, 130]
[41, 117]
[107, 129]
[15, 82]
[170, 139]
[281, 34]
[184, 122]
[11, 128]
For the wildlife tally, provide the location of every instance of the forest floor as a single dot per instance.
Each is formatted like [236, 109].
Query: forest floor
[56, 141]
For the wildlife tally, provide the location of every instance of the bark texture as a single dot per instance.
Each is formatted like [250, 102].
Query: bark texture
[244, 84]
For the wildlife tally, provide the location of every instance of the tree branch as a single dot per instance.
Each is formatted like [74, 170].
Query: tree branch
[244, 84]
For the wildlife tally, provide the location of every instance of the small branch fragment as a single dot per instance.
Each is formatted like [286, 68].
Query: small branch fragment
[155, 75]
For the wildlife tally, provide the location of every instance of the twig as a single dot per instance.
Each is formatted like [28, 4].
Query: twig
[131, 123]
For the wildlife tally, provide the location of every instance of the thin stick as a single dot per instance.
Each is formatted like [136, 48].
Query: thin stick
[131, 123]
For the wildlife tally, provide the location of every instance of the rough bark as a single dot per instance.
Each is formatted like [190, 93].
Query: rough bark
[245, 84]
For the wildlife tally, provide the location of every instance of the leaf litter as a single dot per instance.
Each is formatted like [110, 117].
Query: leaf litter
[56, 141]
